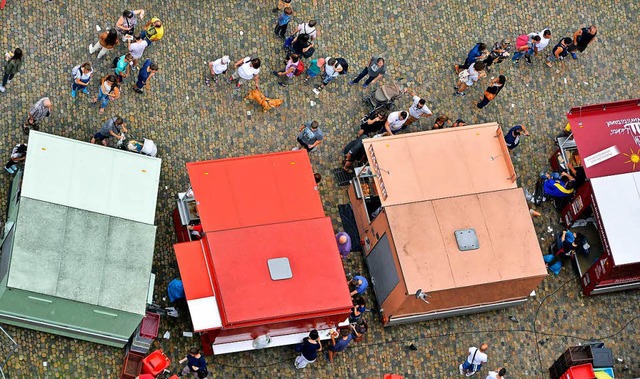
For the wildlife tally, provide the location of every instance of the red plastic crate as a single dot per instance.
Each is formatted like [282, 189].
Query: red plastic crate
[150, 325]
[579, 372]
[132, 365]
[155, 363]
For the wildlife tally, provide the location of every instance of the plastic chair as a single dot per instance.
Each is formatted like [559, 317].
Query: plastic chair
[155, 363]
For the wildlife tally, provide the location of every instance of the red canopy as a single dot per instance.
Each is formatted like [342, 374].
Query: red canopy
[608, 137]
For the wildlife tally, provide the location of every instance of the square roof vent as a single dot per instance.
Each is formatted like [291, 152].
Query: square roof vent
[279, 268]
[467, 239]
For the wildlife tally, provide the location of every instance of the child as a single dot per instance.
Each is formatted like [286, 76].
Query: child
[283, 22]
[315, 68]
[217, 67]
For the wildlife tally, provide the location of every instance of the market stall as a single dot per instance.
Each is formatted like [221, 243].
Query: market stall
[267, 269]
[445, 229]
[606, 209]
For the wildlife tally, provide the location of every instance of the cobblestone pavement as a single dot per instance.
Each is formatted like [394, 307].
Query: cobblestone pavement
[421, 40]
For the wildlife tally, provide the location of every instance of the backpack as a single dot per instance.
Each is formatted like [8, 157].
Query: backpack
[300, 69]
[538, 194]
[345, 66]
[75, 72]
[522, 41]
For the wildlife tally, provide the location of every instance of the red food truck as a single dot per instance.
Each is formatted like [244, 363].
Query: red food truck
[265, 268]
[605, 143]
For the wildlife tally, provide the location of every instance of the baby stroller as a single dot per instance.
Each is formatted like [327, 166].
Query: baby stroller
[383, 98]
[147, 147]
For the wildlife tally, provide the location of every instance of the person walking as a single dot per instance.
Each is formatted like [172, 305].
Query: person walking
[11, 67]
[332, 70]
[82, 74]
[286, 76]
[310, 347]
[467, 77]
[109, 90]
[343, 239]
[126, 24]
[310, 136]
[512, 138]
[492, 91]
[123, 68]
[196, 364]
[375, 69]
[545, 38]
[113, 127]
[153, 31]
[18, 154]
[280, 5]
[38, 112]
[582, 38]
[499, 52]
[338, 345]
[526, 45]
[147, 71]
[217, 68]
[316, 67]
[417, 110]
[107, 40]
[477, 53]
[282, 22]
[499, 373]
[473, 363]
[247, 68]
[136, 48]
[559, 51]
[307, 28]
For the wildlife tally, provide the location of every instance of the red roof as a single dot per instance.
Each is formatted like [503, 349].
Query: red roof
[613, 126]
[254, 190]
[247, 294]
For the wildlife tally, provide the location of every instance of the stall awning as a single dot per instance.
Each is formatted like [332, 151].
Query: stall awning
[618, 200]
[438, 164]
[255, 190]
[607, 137]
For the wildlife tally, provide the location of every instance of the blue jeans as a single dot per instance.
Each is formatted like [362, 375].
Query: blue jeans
[102, 98]
[327, 79]
[364, 73]
[518, 54]
[143, 34]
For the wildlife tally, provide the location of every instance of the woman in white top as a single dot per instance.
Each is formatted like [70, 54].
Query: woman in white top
[127, 22]
[82, 74]
[136, 48]
[246, 69]
[469, 76]
[331, 71]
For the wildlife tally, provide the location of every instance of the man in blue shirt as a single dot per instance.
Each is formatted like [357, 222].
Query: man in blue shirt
[479, 52]
[512, 138]
[147, 71]
[358, 285]
[340, 345]
[195, 364]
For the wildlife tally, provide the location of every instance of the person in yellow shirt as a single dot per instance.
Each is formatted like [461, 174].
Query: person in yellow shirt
[153, 31]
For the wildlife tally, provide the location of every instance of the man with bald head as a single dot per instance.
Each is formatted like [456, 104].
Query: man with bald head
[473, 363]
[40, 110]
[344, 244]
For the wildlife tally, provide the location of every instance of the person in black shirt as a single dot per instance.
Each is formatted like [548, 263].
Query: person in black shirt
[492, 91]
[373, 123]
[353, 153]
[196, 364]
[582, 38]
[309, 350]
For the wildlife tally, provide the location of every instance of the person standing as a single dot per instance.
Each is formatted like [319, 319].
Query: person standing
[441, 122]
[38, 112]
[582, 38]
[316, 66]
[559, 51]
[467, 77]
[108, 91]
[372, 123]
[395, 121]
[310, 347]
[358, 309]
[153, 31]
[11, 67]
[353, 153]
[136, 48]
[375, 69]
[339, 345]
[499, 373]
[492, 91]
[123, 68]
[286, 76]
[310, 136]
[217, 68]
[344, 243]
[107, 40]
[196, 364]
[147, 71]
[18, 154]
[526, 45]
[474, 361]
[82, 74]
[280, 5]
[307, 28]
[332, 70]
[512, 138]
[477, 53]
[499, 53]
[282, 22]
[127, 22]
[247, 69]
[417, 110]
[545, 37]
[358, 285]
[113, 127]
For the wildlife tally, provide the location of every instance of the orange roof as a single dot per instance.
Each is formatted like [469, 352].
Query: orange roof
[441, 163]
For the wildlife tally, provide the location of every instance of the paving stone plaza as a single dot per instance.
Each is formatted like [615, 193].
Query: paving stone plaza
[421, 41]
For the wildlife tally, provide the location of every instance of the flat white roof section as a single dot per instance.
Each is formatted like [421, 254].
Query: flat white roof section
[91, 177]
[204, 313]
[618, 198]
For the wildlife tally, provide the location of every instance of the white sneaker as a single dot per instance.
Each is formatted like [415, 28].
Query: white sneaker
[461, 370]
[2, 89]
[294, 149]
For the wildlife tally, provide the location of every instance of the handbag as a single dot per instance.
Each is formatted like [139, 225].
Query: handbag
[309, 53]
[490, 96]
[463, 76]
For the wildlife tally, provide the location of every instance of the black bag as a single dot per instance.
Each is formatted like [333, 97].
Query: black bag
[538, 194]
[309, 53]
[114, 62]
[202, 373]
[344, 64]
